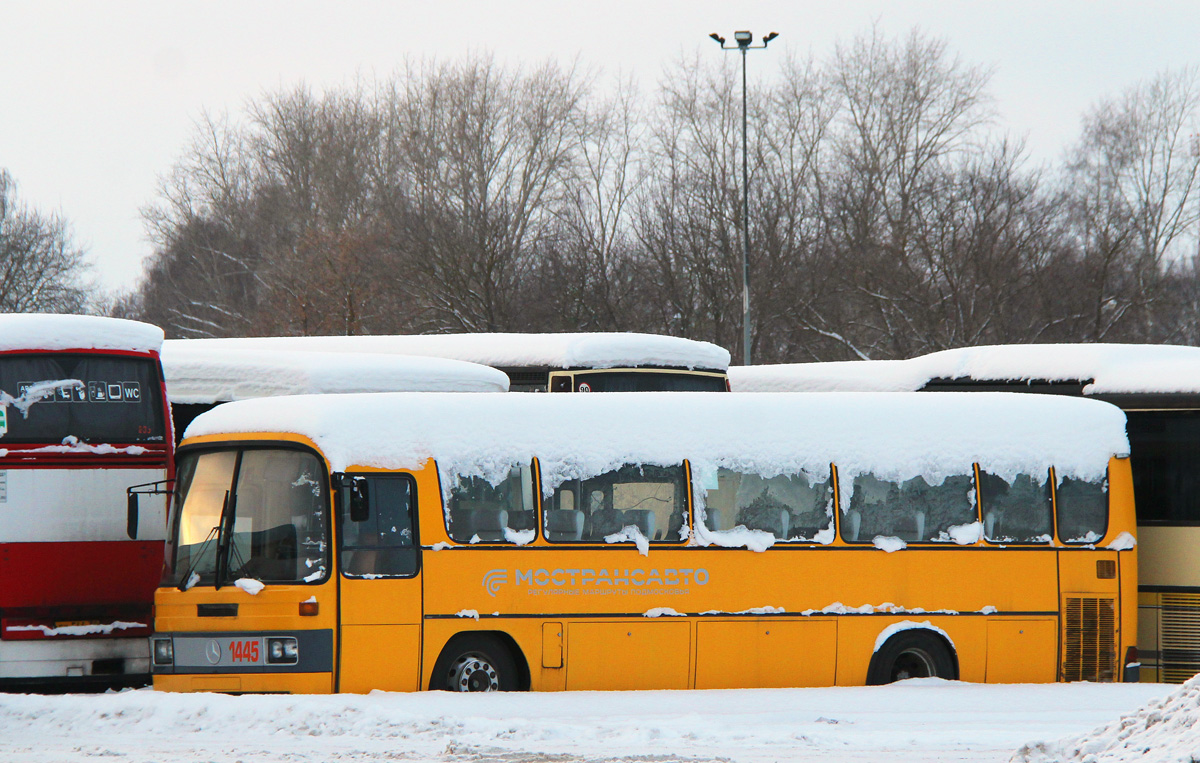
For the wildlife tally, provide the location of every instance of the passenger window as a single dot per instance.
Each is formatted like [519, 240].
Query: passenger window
[790, 507]
[480, 512]
[913, 510]
[650, 500]
[1020, 511]
[1082, 510]
[384, 544]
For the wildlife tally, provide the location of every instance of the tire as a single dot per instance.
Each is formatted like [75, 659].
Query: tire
[915, 653]
[474, 662]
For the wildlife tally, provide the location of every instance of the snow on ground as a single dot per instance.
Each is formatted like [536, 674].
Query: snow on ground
[918, 720]
[1166, 729]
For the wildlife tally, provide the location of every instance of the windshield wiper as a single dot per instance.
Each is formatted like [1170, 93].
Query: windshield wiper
[215, 532]
[224, 538]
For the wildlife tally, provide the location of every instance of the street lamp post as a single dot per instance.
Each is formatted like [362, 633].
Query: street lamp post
[742, 43]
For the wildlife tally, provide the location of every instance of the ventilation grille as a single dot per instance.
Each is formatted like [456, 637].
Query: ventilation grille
[1179, 637]
[1090, 642]
[524, 380]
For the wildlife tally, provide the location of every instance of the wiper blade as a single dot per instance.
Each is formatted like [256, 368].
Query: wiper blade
[224, 537]
[187, 574]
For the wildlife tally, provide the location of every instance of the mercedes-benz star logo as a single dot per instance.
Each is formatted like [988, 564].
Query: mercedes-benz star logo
[213, 651]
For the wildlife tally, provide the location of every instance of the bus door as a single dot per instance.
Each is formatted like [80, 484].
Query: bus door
[379, 563]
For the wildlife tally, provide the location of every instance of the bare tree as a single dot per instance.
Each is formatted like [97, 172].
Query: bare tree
[887, 217]
[483, 151]
[1132, 181]
[203, 279]
[41, 267]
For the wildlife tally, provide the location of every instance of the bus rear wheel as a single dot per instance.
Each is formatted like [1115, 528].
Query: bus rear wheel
[474, 662]
[913, 653]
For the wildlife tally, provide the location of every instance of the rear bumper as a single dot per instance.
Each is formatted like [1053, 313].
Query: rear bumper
[54, 665]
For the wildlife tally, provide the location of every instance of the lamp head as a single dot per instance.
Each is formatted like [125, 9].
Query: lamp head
[743, 39]
[720, 40]
[769, 37]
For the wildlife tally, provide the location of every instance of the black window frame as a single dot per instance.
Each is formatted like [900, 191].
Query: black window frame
[536, 487]
[1141, 424]
[929, 542]
[717, 381]
[1107, 512]
[686, 528]
[832, 497]
[979, 502]
[170, 575]
[152, 397]
[342, 512]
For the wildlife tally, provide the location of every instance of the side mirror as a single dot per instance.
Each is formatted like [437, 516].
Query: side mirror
[131, 516]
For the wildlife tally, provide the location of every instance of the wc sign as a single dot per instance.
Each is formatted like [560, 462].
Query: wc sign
[114, 392]
[93, 392]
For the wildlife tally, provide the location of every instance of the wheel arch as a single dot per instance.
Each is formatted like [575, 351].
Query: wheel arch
[876, 669]
[503, 638]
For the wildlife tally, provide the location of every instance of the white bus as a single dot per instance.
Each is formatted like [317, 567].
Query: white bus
[201, 375]
[598, 362]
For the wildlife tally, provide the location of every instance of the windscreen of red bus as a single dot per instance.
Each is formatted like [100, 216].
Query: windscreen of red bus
[116, 400]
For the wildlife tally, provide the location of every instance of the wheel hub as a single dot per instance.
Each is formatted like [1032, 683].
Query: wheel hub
[471, 673]
[913, 663]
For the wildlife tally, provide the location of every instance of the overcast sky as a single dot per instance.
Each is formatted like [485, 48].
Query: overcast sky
[98, 99]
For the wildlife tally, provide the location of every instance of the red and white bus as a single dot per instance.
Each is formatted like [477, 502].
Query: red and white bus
[83, 418]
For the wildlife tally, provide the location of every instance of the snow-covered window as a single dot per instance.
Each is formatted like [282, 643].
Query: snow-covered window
[279, 519]
[635, 499]
[1020, 511]
[480, 512]
[382, 544]
[913, 510]
[268, 524]
[1082, 510]
[105, 399]
[790, 507]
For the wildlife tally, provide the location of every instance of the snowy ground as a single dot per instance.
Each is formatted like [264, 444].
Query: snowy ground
[919, 720]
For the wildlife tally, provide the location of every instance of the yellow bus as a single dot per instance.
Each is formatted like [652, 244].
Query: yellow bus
[345, 543]
[1158, 388]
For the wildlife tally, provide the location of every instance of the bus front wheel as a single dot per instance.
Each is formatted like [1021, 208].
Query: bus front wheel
[916, 653]
[474, 662]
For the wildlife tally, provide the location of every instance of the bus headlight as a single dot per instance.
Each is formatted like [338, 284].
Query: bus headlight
[164, 651]
[283, 651]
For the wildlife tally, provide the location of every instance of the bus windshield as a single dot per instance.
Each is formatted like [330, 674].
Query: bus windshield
[648, 381]
[94, 398]
[255, 513]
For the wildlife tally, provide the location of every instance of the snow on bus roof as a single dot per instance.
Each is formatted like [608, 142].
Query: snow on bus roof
[1104, 368]
[896, 436]
[582, 350]
[52, 331]
[198, 373]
